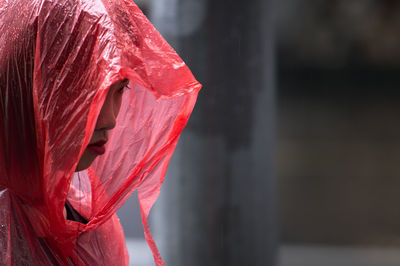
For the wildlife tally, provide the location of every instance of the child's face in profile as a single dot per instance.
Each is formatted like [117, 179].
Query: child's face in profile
[105, 122]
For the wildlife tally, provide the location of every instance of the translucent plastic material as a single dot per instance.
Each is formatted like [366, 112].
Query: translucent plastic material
[58, 59]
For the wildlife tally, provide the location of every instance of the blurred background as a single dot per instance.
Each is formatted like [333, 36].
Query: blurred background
[291, 155]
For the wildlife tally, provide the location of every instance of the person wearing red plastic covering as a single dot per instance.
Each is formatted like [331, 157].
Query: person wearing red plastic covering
[106, 121]
[64, 169]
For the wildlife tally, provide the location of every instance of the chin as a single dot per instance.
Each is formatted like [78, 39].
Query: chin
[85, 161]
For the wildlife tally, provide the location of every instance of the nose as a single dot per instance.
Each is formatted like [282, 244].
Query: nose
[108, 114]
[110, 109]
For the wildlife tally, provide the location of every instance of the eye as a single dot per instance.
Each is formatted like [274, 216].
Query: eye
[122, 89]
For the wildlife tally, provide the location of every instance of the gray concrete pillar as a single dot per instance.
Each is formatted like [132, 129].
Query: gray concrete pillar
[218, 204]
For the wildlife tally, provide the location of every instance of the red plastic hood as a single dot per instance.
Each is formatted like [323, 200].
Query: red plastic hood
[58, 59]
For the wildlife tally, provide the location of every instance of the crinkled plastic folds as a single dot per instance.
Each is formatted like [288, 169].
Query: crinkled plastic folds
[58, 59]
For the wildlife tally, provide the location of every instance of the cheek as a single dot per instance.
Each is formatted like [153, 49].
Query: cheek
[117, 103]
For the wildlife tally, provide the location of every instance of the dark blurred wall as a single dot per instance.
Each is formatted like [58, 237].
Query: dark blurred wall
[339, 133]
[218, 205]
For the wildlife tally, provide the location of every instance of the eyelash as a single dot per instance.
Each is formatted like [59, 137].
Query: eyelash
[123, 88]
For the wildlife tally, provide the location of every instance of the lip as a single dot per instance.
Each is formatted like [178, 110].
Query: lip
[97, 147]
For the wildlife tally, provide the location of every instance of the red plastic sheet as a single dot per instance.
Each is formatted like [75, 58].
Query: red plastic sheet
[58, 59]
